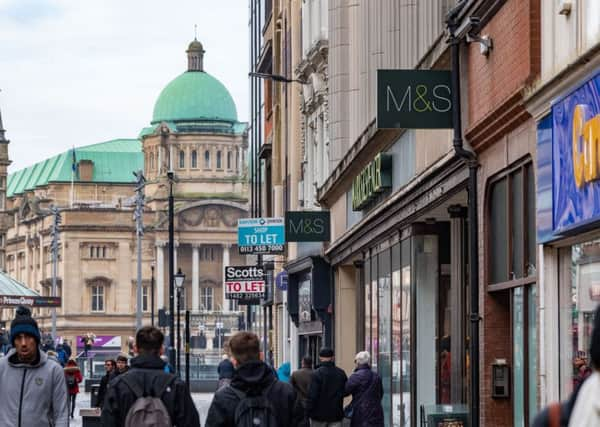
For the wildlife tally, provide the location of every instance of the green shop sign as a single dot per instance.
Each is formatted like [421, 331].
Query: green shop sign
[414, 99]
[371, 181]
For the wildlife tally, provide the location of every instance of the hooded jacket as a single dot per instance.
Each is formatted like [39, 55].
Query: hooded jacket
[33, 395]
[148, 371]
[252, 378]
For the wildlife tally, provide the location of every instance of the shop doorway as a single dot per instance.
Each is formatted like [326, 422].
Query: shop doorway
[310, 345]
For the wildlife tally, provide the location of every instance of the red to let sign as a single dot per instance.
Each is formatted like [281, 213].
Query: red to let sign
[245, 290]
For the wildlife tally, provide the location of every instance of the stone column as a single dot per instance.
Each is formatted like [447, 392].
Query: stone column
[160, 275]
[195, 277]
[226, 302]
[175, 265]
[238, 161]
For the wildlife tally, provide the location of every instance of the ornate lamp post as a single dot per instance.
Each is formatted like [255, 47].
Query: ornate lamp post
[179, 279]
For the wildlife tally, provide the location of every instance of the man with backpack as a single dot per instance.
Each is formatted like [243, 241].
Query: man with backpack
[146, 394]
[255, 397]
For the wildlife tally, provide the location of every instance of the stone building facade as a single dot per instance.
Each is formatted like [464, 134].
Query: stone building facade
[195, 133]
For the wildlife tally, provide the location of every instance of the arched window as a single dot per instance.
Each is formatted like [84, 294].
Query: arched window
[181, 159]
[219, 165]
[194, 159]
[229, 160]
[207, 159]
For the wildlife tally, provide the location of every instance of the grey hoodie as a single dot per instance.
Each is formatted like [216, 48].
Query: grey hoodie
[32, 395]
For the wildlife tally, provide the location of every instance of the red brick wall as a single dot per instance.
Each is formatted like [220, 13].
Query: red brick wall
[513, 62]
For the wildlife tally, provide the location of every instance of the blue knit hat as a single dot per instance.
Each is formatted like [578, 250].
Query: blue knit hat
[23, 323]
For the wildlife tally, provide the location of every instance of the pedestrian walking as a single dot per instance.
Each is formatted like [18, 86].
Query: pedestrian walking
[72, 377]
[283, 373]
[225, 371]
[146, 393]
[67, 348]
[61, 355]
[3, 341]
[300, 380]
[110, 366]
[325, 404]
[366, 389]
[255, 396]
[33, 388]
[122, 364]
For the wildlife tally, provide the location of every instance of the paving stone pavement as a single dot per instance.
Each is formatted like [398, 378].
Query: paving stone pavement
[202, 401]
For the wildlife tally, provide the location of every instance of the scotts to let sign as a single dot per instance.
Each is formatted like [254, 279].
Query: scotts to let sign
[414, 99]
[307, 226]
[244, 283]
[261, 235]
[372, 180]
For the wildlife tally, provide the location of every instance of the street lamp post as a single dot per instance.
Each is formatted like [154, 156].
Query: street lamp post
[171, 349]
[139, 231]
[179, 279]
[152, 294]
[54, 231]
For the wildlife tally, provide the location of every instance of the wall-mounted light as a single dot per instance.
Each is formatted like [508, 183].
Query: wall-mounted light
[485, 43]
[564, 7]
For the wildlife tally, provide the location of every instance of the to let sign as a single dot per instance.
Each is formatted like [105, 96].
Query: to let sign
[244, 283]
[414, 99]
[261, 235]
[307, 226]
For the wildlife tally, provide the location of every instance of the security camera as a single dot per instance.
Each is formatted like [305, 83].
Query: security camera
[467, 26]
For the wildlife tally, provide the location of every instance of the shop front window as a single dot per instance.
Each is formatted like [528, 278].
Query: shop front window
[384, 329]
[374, 313]
[579, 296]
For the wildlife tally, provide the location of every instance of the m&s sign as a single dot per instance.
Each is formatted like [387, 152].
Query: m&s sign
[414, 99]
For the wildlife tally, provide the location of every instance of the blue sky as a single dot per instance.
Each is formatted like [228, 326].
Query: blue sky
[79, 72]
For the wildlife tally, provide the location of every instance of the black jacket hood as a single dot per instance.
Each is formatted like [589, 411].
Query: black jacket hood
[252, 377]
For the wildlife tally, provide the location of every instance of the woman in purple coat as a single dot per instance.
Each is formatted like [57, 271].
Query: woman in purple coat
[366, 389]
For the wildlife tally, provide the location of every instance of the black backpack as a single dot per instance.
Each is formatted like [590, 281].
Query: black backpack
[71, 381]
[254, 411]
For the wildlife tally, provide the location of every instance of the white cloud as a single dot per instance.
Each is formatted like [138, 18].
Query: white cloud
[79, 72]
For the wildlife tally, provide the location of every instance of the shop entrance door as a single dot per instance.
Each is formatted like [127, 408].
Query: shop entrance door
[310, 345]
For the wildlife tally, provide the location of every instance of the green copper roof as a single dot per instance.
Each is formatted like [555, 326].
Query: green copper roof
[114, 161]
[194, 95]
[9, 286]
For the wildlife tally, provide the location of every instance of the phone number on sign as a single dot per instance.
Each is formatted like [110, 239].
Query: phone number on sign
[255, 249]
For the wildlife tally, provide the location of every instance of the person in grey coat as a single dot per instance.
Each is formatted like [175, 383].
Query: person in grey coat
[33, 387]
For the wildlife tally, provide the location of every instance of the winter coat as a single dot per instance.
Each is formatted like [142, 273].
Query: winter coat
[33, 395]
[586, 412]
[225, 369]
[103, 386]
[252, 378]
[366, 389]
[300, 380]
[283, 373]
[542, 419]
[73, 369]
[326, 393]
[148, 371]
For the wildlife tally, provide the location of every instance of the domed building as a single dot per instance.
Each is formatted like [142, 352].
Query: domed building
[195, 133]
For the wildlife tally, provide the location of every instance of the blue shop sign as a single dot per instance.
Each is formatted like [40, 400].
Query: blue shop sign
[576, 157]
[261, 235]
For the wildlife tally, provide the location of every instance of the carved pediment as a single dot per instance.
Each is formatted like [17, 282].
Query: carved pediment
[210, 216]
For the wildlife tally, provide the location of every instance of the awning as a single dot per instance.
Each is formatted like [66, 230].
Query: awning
[14, 293]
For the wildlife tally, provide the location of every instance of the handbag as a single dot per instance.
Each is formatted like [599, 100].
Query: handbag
[349, 408]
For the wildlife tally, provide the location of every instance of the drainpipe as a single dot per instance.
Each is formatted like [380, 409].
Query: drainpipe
[470, 159]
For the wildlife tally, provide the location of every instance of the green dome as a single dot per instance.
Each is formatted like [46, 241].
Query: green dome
[193, 96]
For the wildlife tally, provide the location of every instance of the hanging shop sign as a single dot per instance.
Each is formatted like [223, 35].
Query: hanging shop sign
[576, 157]
[414, 99]
[307, 226]
[261, 235]
[372, 180]
[29, 301]
[244, 283]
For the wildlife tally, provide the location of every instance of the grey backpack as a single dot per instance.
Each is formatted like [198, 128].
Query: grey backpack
[148, 410]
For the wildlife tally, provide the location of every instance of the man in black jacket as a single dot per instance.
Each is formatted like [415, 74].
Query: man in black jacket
[110, 366]
[325, 404]
[147, 372]
[253, 378]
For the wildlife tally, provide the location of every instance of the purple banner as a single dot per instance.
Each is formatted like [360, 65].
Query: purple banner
[101, 342]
